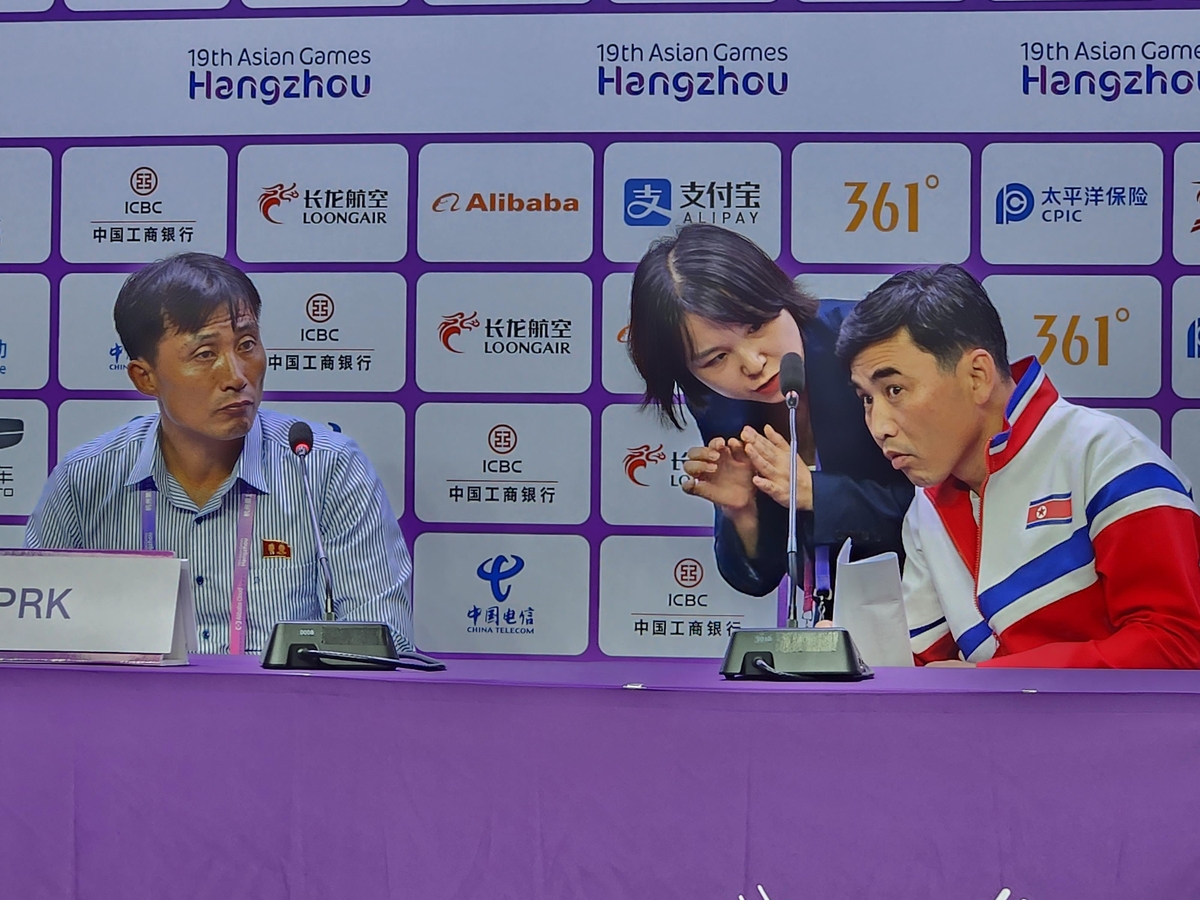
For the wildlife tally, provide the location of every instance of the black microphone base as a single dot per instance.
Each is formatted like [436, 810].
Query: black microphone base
[338, 645]
[794, 654]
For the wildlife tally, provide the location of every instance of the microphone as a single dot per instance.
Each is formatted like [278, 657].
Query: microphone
[300, 439]
[793, 653]
[330, 644]
[791, 385]
[791, 377]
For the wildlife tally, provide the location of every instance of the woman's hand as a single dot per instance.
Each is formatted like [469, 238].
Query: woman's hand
[722, 474]
[770, 454]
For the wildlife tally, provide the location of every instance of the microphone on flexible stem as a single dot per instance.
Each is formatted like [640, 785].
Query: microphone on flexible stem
[331, 644]
[793, 653]
[300, 439]
[791, 385]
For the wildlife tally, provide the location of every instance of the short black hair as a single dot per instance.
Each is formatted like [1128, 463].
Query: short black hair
[179, 293]
[946, 311]
[710, 272]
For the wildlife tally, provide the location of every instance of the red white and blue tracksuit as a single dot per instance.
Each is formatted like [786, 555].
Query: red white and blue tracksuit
[1086, 552]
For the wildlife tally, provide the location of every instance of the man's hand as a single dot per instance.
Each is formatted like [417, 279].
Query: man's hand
[949, 664]
[722, 474]
[770, 453]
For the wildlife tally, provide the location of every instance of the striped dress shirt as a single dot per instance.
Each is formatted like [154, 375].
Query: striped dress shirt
[92, 501]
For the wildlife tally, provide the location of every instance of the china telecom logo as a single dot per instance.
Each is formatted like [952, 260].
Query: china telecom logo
[637, 458]
[274, 196]
[456, 324]
[496, 570]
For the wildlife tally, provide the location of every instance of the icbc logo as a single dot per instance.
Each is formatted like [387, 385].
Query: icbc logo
[319, 308]
[688, 575]
[143, 181]
[502, 440]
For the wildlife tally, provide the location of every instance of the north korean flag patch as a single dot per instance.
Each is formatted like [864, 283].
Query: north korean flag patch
[1052, 510]
[276, 550]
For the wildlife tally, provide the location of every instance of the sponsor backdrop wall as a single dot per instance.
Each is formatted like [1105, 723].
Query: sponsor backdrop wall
[441, 204]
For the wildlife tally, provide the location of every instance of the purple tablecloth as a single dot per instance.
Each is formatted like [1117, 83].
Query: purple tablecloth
[508, 779]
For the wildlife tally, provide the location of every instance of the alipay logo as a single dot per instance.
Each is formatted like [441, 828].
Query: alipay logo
[1014, 203]
[497, 570]
[648, 202]
[1193, 340]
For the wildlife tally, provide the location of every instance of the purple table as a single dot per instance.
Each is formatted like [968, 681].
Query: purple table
[544, 780]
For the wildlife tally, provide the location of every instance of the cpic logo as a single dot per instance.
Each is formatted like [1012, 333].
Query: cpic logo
[451, 201]
[1014, 203]
[639, 457]
[273, 196]
[454, 324]
[1193, 340]
[493, 570]
[143, 181]
[648, 202]
[1064, 205]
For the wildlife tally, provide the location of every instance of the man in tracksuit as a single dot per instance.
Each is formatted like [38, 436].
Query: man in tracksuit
[1042, 533]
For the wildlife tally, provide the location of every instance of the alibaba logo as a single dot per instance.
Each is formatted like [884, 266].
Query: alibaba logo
[273, 196]
[640, 457]
[446, 203]
[456, 324]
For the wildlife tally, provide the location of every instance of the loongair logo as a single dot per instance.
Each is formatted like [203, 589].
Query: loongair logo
[639, 457]
[493, 570]
[273, 196]
[455, 324]
[1014, 203]
[505, 202]
[648, 202]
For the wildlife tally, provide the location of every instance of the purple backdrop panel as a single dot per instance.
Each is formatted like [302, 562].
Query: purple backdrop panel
[222, 781]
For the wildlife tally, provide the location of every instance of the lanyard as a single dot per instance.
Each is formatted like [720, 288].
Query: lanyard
[247, 503]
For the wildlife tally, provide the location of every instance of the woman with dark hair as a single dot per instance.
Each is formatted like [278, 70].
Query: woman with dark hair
[711, 316]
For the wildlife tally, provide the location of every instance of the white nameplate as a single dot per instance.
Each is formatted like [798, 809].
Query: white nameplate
[76, 606]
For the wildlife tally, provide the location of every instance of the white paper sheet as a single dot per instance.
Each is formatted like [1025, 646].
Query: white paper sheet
[868, 602]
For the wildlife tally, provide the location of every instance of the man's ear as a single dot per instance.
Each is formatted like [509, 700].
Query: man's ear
[985, 376]
[141, 373]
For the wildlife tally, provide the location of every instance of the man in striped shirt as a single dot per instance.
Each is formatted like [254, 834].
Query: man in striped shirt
[211, 470]
[1044, 533]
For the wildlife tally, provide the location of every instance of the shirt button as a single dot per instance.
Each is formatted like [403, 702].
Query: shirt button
[204, 634]
[199, 579]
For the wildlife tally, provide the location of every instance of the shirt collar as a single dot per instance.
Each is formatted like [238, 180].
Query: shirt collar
[249, 466]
